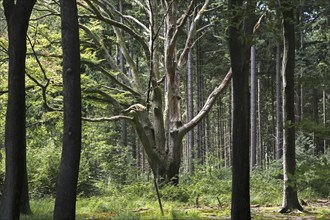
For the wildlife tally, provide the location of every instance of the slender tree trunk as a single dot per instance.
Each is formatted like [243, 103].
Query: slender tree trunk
[15, 197]
[240, 58]
[260, 148]
[253, 111]
[290, 196]
[208, 138]
[122, 69]
[190, 109]
[324, 107]
[200, 127]
[279, 128]
[231, 125]
[65, 203]
[272, 153]
[316, 119]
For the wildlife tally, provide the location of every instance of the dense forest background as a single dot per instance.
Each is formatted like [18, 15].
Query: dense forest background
[129, 113]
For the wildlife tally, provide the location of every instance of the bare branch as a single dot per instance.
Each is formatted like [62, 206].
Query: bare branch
[182, 21]
[44, 16]
[2, 92]
[212, 97]
[207, 106]
[43, 87]
[191, 34]
[257, 25]
[137, 22]
[44, 94]
[141, 5]
[113, 79]
[104, 119]
[96, 39]
[120, 25]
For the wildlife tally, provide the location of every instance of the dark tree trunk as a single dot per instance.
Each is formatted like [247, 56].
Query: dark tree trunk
[15, 196]
[65, 203]
[240, 58]
[290, 197]
[279, 128]
[253, 110]
[25, 199]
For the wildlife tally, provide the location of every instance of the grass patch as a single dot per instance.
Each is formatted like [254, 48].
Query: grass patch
[204, 195]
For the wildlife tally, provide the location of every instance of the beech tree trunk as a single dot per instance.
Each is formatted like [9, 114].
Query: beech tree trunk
[290, 196]
[65, 203]
[240, 59]
[15, 197]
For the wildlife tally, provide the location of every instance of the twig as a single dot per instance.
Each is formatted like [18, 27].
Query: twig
[158, 196]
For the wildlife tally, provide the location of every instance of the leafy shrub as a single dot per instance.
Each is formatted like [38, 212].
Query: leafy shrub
[43, 168]
[175, 193]
[139, 189]
[312, 170]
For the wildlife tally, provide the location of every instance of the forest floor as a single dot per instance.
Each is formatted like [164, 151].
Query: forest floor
[318, 209]
[204, 195]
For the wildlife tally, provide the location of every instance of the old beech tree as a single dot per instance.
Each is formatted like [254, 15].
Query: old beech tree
[156, 113]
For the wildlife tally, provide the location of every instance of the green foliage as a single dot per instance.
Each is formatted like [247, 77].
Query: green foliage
[43, 165]
[266, 186]
[309, 126]
[42, 209]
[312, 171]
[175, 193]
[126, 215]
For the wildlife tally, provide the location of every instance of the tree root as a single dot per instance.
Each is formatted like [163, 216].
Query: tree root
[285, 210]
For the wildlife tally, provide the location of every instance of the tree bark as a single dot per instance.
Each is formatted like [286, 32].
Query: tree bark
[290, 196]
[15, 197]
[316, 119]
[65, 203]
[240, 58]
[253, 111]
[260, 147]
[200, 127]
[279, 128]
[190, 109]
[161, 129]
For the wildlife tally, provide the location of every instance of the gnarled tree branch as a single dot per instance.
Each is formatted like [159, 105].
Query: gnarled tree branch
[207, 106]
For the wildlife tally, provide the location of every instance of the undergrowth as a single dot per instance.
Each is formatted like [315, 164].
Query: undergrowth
[206, 194]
